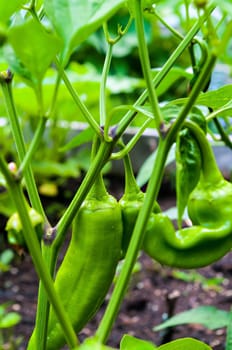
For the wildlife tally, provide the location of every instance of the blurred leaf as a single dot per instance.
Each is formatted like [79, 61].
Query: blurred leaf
[84, 136]
[208, 316]
[10, 319]
[213, 99]
[16, 66]
[185, 344]
[224, 5]
[69, 168]
[75, 20]
[147, 167]
[5, 259]
[8, 8]
[35, 47]
[128, 343]
[6, 204]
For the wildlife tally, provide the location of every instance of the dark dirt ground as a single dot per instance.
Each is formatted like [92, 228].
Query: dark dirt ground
[154, 292]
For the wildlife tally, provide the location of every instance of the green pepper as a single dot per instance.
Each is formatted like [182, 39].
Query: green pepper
[210, 209]
[14, 228]
[188, 248]
[131, 202]
[210, 203]
[89, 265]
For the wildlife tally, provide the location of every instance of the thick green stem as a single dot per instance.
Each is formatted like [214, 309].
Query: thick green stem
[32, 242]
[5, 80]
[145, 63]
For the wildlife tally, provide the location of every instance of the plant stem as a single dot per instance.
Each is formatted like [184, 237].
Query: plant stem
[33, 146]
[99, 161]
[6, 83]
[128, 147]
[126, 120]
[85, 112]
[145, 63]
[32, 242]
[153, 187]
[102, 100]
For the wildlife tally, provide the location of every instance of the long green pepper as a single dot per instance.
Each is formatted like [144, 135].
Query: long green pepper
[89, 265]
[210, 209]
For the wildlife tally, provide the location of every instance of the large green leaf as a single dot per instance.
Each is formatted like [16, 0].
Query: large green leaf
[128, 343]
[34, 46]
[213, 98]
[75, 20]
[185, 344]
[7, 8]
[208, 316]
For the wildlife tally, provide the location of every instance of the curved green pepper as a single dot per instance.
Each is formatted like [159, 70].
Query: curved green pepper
[210, 209]
[88, 268]
[210, 203]
[190, 247]
[131, 202]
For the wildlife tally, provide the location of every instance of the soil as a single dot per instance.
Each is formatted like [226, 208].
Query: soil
[155, 293]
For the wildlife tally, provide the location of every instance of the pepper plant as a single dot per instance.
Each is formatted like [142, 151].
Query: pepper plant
[40, 43]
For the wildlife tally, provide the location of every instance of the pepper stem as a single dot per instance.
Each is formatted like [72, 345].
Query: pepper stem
[210, 170]
[131, 186]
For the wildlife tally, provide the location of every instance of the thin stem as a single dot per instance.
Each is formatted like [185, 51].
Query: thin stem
[126, 120]
[102, 101]
[32, 242]
[6, 80]
[34, 145]
[85, 112]
[145, 63]
[131, 143]
[177, 34]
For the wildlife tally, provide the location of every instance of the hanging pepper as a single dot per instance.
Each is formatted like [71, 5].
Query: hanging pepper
[210, 209]
[131, 202]
[89, 265]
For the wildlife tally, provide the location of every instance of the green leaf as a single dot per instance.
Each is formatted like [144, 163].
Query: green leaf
[188, 167]
[214, 99]
[34, 46]
[84, 136]
[129, 343]
[8, 8]
[75, 20]
[146, 169]
[208, 316]
[185, 344]
[70, 168]
[9, 320]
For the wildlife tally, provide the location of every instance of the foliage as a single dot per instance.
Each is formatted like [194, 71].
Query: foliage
[75, 76]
